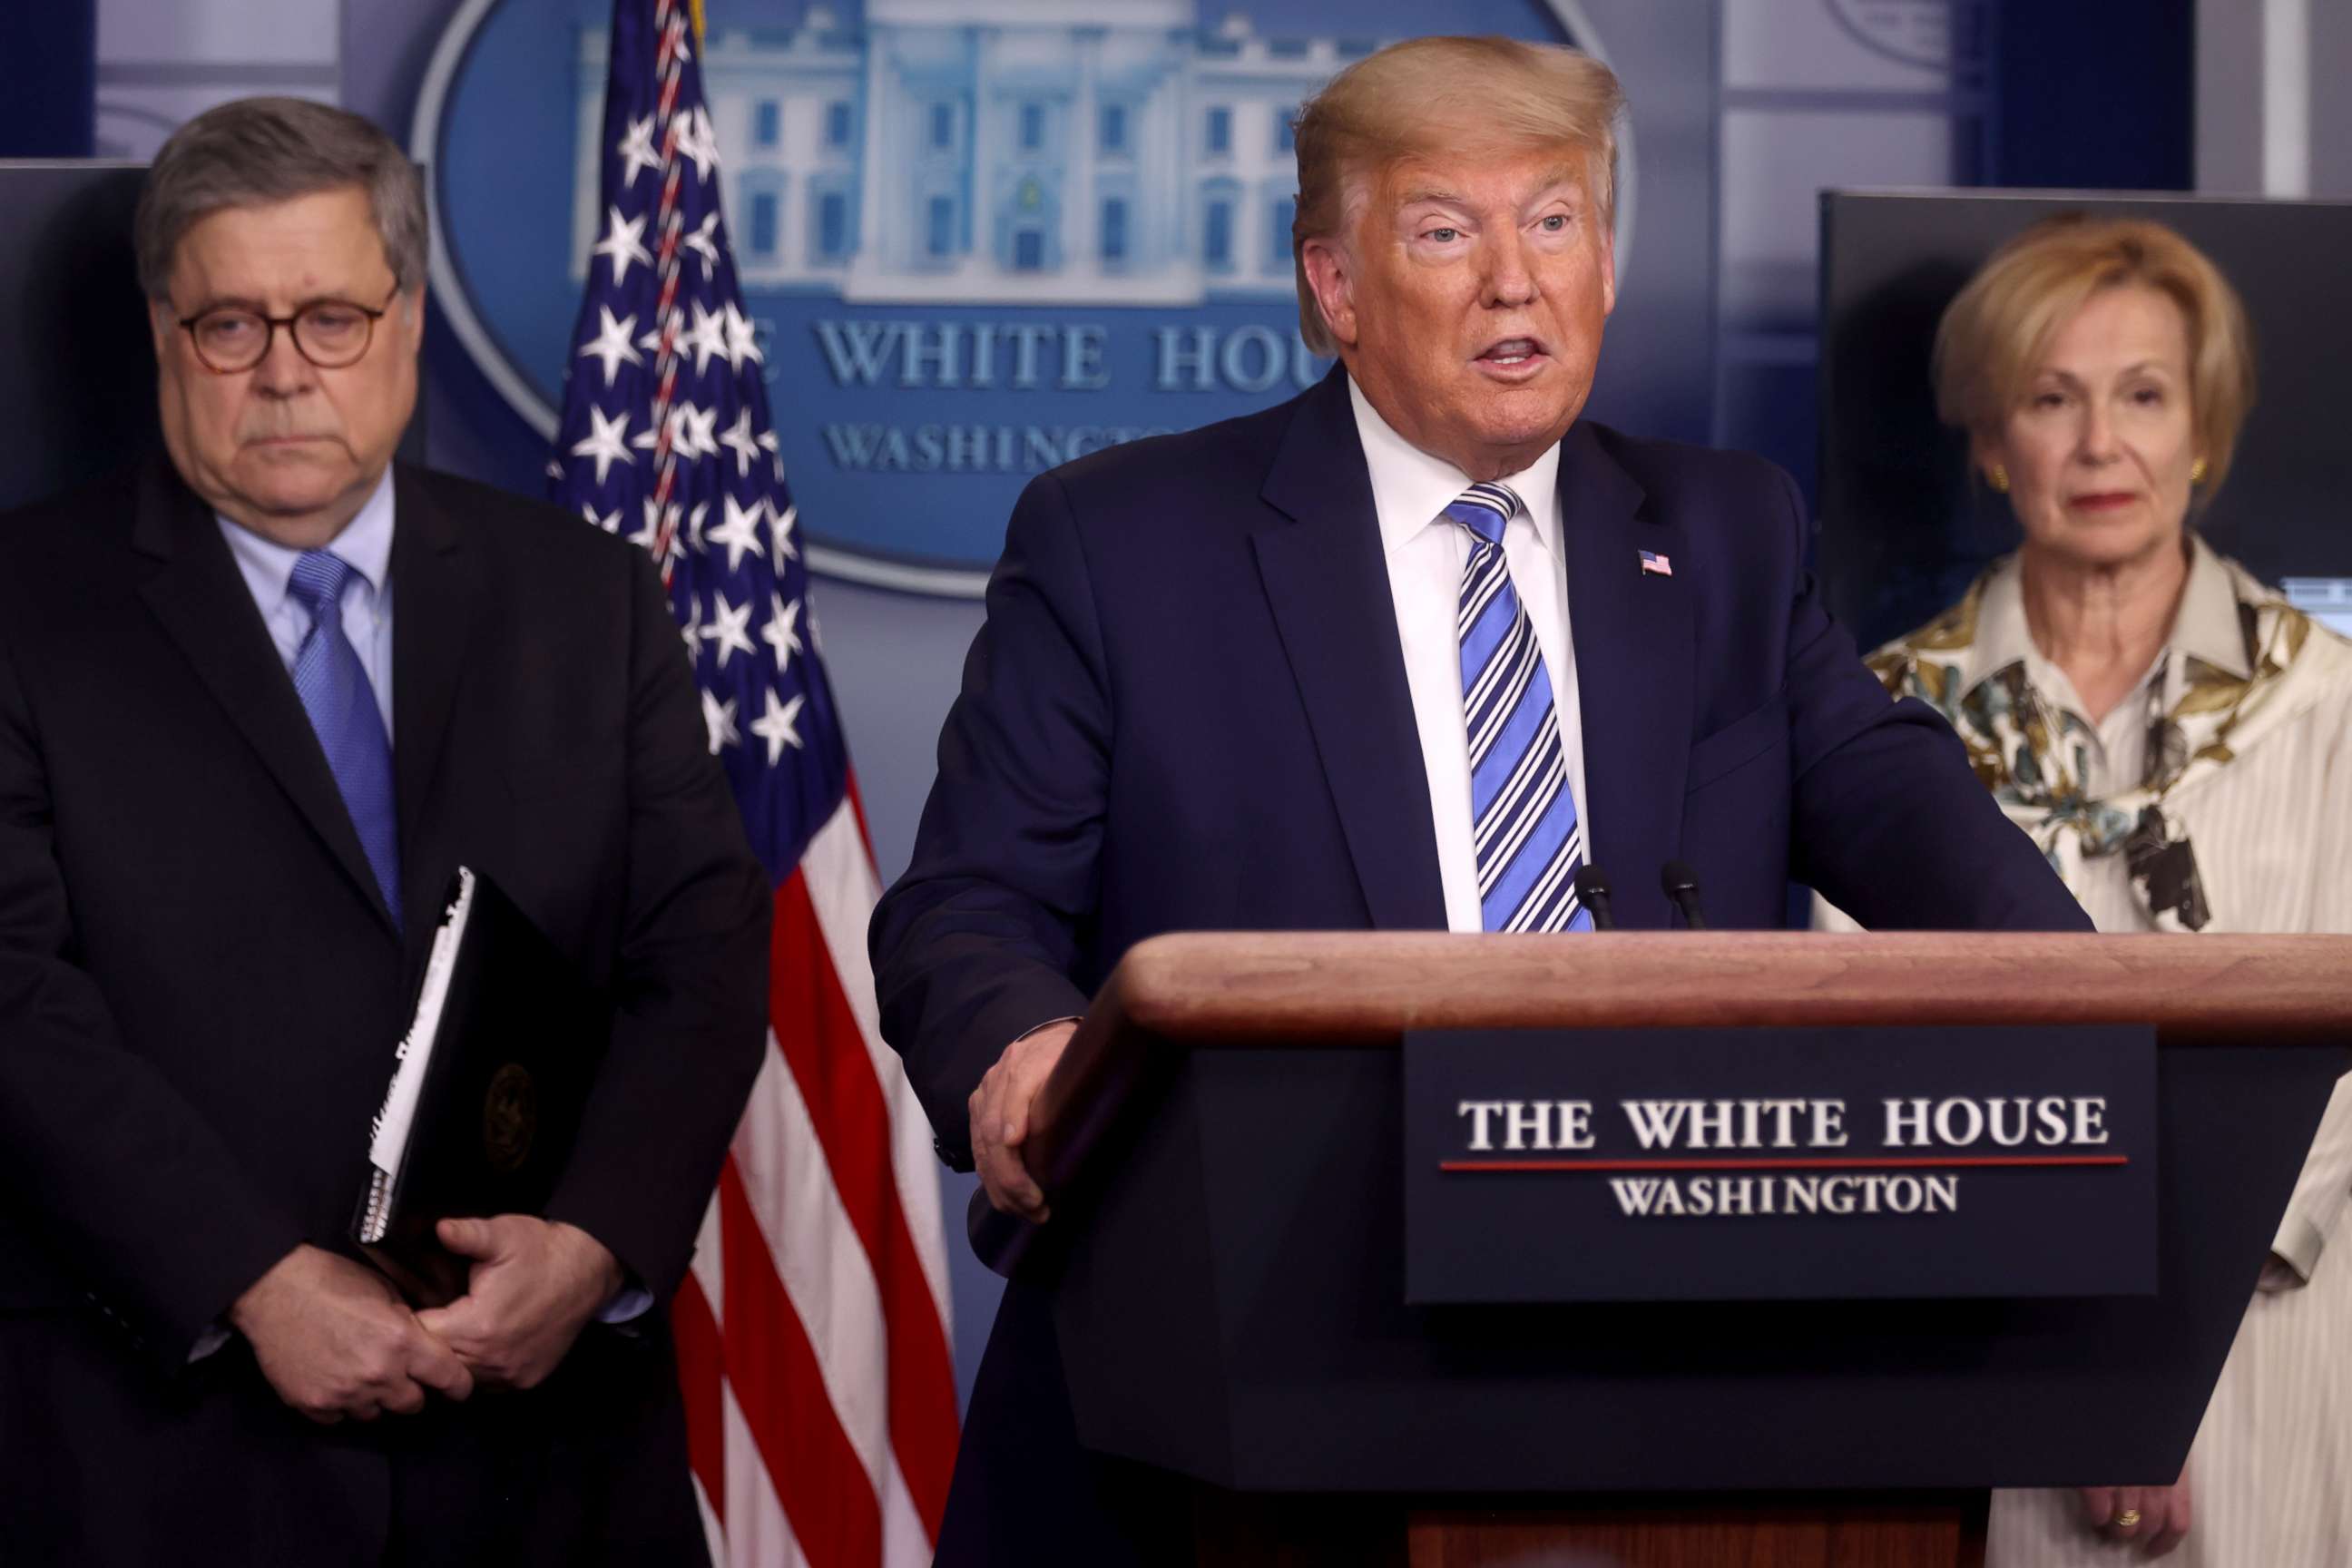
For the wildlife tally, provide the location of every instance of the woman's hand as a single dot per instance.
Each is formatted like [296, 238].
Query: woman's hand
[2158, 1516]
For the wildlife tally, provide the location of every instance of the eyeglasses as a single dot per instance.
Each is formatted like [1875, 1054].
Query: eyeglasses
[330, 334]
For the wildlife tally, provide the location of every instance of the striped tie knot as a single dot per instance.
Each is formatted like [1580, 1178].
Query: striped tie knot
[1483, 510]
[319, 579]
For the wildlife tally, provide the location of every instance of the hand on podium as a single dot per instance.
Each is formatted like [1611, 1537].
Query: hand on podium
[999, 1119]
[2160, 1516]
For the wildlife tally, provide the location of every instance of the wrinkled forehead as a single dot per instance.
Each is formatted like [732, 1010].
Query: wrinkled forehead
[313, 245]
[1489, 173]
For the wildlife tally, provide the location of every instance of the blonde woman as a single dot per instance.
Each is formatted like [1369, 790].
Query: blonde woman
[2178, 739]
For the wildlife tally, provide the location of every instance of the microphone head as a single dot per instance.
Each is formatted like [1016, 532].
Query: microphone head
[1676, 877]
[1590, 882]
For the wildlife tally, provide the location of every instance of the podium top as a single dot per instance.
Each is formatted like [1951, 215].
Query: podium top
[1356, 988]
[1206, 989]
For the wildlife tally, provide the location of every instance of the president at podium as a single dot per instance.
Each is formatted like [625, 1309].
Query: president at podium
[1418, 649]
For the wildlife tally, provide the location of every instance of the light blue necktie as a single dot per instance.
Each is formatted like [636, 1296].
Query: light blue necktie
[337, 695]
[1522, 813]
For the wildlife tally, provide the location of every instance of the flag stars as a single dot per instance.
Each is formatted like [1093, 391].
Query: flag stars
[782, 524]
[691, 433]
[696, 139]
[605, 441]
[673, 405]
[779, 725]
[636, 149]
[739, 440]
[704, 243]
[782, 631]
[742, 339]
[729, 628]
[648, 538]
[707, 337]
[740, 533]
[696, 435]
[611, 344]
[623, 242]
[718, 718]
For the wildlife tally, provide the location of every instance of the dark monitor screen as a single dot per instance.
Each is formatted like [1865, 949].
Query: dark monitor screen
[77, 374]
[1903, 528]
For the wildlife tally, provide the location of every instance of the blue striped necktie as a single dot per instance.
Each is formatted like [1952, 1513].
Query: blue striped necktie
[1522, 813]
[337, 695]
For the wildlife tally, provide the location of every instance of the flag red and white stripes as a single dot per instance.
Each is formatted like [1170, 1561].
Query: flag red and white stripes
[827, 1436]
[812, 1332]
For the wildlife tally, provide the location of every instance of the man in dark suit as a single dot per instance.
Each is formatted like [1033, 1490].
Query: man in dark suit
[1405, 652]
[256, 704]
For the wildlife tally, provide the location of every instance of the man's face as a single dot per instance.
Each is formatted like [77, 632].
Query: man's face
[285, 449]
[1468, 300]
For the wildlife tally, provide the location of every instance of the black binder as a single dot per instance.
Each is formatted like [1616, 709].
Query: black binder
[485, 1104]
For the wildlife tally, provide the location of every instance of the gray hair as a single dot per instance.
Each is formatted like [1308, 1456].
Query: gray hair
[259, 150]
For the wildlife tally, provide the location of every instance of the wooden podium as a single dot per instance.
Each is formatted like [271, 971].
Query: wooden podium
[1221, 1143]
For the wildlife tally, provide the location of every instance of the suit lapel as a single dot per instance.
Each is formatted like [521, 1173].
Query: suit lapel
[1328, 584]
[197, 594]
[436, 593]
[1633, 634]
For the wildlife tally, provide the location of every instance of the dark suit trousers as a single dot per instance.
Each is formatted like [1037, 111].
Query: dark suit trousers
[1025, 1492]
[558, 1476]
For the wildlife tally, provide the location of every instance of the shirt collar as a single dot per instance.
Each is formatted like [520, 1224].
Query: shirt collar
[364, 543]
[1410, 488]
[2208, 627]
[2205, 626]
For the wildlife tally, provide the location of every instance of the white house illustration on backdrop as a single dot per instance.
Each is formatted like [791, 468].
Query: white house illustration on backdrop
[1030, 151]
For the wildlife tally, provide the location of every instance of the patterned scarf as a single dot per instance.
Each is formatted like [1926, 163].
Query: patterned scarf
[2033, 754]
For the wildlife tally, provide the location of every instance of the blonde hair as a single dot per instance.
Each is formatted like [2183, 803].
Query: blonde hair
[1427, 94]
[1995, 329]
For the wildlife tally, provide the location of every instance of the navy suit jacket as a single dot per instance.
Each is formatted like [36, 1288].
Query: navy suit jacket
[1187, 710]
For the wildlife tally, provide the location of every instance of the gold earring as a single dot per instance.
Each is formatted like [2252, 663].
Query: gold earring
[2197, 472]
[1998, 477]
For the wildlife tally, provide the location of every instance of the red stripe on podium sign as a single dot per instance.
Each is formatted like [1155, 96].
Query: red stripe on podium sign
[1858, 1163]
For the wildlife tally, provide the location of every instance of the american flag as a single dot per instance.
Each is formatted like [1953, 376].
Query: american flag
[812, 1330]
[1653, 562]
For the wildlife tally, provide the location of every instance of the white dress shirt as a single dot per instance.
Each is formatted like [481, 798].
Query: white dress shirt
[1426, 553]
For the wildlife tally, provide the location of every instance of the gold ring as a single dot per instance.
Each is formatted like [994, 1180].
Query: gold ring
[2128, 1519]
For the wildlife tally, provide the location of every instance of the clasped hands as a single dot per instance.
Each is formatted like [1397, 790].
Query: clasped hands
[335, 1340]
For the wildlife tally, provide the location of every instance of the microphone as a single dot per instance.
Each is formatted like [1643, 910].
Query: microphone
[1592, 892]
[1681, 884]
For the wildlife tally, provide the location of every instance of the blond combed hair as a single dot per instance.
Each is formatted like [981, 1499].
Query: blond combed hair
[1444, 94]
[1995, 329]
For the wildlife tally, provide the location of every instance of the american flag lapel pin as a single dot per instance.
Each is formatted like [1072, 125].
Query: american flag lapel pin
[1652, 562]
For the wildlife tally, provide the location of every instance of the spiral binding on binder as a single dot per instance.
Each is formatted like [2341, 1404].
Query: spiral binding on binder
[388, 1129]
